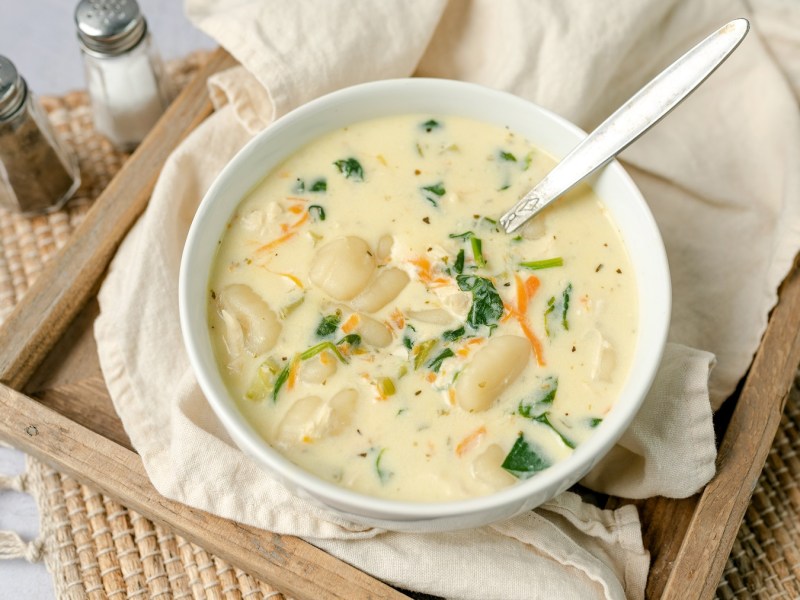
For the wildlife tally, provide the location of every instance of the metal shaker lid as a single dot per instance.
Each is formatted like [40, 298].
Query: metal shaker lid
[12, 88]
[109, 27]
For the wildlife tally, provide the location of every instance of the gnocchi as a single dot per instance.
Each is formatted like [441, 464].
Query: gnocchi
[382, 290]
[250, 321]
[493, 368]
[342, 267]
[375, 325]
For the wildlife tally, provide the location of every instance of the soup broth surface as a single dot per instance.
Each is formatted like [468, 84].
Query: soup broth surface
[378, 328]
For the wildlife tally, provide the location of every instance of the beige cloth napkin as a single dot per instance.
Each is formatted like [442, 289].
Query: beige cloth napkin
[720, 175]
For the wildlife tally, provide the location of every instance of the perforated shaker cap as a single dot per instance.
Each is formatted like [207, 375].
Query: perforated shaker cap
[12, 88]
[109, 27]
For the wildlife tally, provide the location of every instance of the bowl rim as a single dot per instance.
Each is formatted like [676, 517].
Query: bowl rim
[361, 505]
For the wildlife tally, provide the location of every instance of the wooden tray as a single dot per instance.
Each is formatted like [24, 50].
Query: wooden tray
[55, 407]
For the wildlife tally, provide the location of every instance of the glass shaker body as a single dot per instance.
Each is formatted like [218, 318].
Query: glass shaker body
[128, 92]
[37, 172]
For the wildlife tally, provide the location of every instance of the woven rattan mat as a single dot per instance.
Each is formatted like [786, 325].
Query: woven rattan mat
[96, 548]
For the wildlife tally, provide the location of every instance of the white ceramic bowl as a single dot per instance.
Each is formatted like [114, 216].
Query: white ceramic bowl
[428, 96]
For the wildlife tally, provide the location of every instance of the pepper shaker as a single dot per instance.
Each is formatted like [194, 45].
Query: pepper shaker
[127, 84]
[37, 172]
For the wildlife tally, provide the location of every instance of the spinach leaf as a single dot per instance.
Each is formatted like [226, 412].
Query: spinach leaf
[462, 236]
[319, 185]
[507, 156]
[436, 363]
[595, 421]
[523, 461]
[328, 325]
[433, 192]
[316, 212]
[565, 306]
[351, 339]
[350, 168]
[459, 264]
[542, 418]
[453, 334]
[383, 474]
[558, 308]
[487, 306]
[544, 395]
[430, 125]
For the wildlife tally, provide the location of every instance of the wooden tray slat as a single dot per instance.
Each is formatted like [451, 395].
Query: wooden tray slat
[718, 516]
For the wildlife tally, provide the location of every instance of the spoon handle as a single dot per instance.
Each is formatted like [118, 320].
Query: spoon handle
[646, 108]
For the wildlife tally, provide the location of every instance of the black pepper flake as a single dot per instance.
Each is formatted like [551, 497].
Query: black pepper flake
[600, 266]
[430, 248]
[507, 284]
[368, 252]
[213, 295]
[417, 172]
[418, 392]
[427, 220]
[606, 245]
[573, 348]
[362, 454]
[358, 431]
[619, 271]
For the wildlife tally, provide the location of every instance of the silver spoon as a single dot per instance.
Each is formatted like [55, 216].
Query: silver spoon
[632, 119]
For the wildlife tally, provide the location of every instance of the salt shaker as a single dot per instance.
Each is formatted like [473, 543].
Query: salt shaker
[127, 84]
[37, 172]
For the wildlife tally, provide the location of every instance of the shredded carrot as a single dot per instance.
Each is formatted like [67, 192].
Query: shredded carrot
[276, 242]
[307, 439]
[294, 279]
[509, 312]
[299, 221]
[465, 349]
[397, 319]
[351, 323]
[297, 198]
[296, 209]
[469, 441]
[431, 377]
[426, 273]
[292, 374]
[522, 297]
[381, 159]
[535, 343]
[424, 266]
[531, 286]
[288, 231]
[451, 396]
[325, 358]
[524, 293]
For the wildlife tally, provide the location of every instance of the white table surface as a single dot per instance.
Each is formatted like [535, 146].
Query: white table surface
[39, 38]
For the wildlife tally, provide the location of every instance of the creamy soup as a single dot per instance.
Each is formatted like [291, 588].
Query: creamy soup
[377, 327]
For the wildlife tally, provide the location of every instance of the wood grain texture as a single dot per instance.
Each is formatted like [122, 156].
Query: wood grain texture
[290, 564]
[720, 508]
[70, 279]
